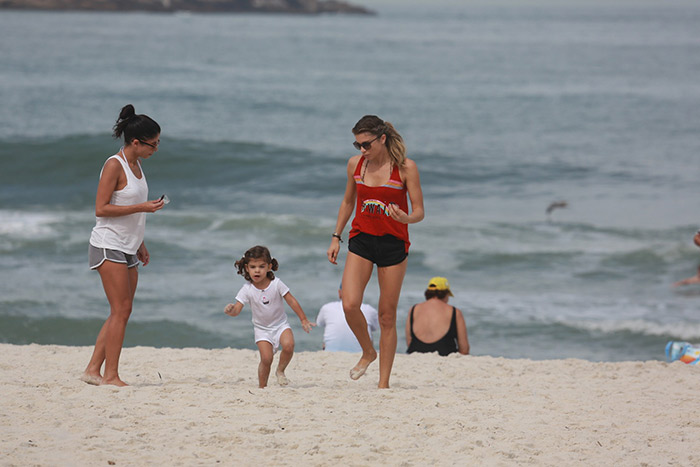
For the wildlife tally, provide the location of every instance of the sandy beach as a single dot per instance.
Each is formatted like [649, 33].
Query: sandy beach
[203, 407]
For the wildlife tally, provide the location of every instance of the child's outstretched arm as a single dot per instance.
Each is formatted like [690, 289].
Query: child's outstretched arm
[294, 305]
[233, 309]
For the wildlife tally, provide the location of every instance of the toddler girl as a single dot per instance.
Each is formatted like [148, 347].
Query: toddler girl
[264, 293]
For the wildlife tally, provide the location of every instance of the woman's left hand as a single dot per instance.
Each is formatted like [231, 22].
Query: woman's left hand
[397, 214]
[142, 254]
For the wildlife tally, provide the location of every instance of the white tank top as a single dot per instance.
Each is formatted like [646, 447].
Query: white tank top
[123, 233]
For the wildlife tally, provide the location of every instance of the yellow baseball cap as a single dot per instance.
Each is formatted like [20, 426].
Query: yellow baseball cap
[440, 283]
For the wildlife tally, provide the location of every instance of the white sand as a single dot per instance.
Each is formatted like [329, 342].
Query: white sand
[207, 410]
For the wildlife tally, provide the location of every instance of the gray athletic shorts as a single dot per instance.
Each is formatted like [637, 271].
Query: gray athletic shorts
[97, 256]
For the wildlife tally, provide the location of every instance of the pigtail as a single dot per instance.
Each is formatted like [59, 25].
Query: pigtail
[240, 265]
[274, 266]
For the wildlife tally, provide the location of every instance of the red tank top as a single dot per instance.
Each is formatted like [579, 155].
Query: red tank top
[371, 215]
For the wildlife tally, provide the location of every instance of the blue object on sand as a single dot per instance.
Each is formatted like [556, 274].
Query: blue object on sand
[683, 351]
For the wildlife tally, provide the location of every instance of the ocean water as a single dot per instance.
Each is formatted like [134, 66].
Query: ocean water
[505, 109]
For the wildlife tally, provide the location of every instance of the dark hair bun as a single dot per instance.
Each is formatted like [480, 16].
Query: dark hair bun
[127, 112]
[133, 126]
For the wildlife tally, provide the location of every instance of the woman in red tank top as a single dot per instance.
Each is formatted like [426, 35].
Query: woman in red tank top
[380, 182]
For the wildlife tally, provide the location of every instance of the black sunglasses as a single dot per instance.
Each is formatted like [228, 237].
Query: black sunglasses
[154, 146]
[366, 145]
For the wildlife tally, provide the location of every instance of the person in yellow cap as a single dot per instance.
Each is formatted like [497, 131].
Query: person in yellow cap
[435, 326]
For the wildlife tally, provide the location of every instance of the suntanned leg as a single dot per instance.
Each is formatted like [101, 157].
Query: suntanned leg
[287, 346]
[119, 283]
[266, 355]
[390, 282]
[92, 372]
[355, 278]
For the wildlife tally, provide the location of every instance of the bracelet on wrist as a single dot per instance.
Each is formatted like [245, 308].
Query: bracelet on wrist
[337, 235]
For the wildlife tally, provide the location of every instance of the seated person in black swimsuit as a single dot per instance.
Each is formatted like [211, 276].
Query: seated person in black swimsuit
[435, 326]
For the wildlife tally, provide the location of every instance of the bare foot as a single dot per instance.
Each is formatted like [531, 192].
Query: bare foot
[113, 382]
[89, 378]
[281, 379]
[362, 365]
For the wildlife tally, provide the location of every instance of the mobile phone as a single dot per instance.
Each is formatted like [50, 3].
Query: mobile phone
[164, 199]
[161, 198]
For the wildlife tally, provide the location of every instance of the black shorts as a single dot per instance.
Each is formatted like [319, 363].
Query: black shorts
[383, 251]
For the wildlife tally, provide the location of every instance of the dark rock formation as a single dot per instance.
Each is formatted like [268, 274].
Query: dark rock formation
[202, 6]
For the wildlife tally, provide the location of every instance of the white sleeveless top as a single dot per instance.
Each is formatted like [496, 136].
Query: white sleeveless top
[123, 233]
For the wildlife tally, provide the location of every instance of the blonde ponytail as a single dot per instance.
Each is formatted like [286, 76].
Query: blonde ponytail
[395, 145]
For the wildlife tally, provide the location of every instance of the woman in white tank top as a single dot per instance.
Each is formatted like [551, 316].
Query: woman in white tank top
[116, 242]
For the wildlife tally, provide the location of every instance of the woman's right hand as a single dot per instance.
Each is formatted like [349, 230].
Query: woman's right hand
[333, 250]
